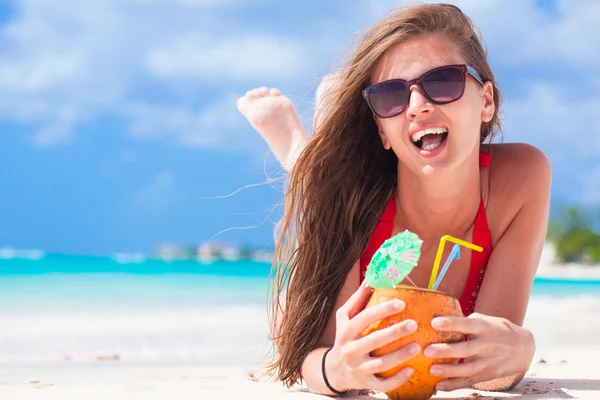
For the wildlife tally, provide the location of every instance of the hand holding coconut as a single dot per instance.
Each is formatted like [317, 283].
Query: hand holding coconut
[349, 364]
[488, 354]
[390, 265]
[496, 347]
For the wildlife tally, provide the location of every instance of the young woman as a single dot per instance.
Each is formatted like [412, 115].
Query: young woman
[404, 143]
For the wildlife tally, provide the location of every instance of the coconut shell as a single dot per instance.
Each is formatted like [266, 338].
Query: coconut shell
[422, 305]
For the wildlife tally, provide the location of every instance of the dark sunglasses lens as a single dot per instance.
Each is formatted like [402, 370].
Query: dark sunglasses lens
[444, 85]
[389, 98]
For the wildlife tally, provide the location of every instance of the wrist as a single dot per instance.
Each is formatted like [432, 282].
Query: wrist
[331, 376]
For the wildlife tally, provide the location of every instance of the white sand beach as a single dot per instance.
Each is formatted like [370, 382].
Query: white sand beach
[206, 353]
[173, 344]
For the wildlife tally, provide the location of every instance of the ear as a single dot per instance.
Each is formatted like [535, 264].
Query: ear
[384, 140]
[487, 112]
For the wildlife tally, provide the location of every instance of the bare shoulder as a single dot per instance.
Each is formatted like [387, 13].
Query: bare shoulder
[516, 166]
[519, 174]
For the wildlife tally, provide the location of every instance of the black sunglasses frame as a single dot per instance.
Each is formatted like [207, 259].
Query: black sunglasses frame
[464, 69]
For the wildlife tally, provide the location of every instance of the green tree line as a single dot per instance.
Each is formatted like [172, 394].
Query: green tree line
[574, 238]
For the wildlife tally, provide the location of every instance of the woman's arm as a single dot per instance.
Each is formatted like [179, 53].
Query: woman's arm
[311, 368]
[501, 350]
[506, 287]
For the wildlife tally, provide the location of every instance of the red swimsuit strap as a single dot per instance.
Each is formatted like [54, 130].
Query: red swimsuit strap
[481, 237]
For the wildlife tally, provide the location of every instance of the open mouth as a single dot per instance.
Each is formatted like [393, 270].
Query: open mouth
[429, 138]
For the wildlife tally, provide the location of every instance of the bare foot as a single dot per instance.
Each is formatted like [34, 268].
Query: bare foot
[274, 117]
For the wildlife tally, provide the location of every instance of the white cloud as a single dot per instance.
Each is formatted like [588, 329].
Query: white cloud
[561, 124]
[217, 125]
[550, 117]
[36, 75]
[518, 31]
[59, 130]
[239, 59]
[67, 62]
[51, 136]
[53, 69]
[197, 3]
[566, 39]
[97, 57]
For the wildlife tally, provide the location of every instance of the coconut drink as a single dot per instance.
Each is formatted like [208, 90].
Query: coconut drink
[390, 265]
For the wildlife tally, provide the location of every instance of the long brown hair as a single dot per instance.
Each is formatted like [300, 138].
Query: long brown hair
[342, 182]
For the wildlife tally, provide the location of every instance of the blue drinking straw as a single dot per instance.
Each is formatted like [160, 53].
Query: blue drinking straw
[454, 254]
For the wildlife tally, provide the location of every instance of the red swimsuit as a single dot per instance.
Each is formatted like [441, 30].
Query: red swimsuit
[481, 237]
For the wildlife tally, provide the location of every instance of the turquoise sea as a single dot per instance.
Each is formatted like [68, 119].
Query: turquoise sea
[77, 281]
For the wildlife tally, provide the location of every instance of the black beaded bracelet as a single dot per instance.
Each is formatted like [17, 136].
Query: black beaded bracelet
[337, 392]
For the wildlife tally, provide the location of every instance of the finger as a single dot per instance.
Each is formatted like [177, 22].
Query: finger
[471, 367]
[263, 90]
[453, 350]
[391, 383]
[380, 338]
[473, 326]
[380, 364]
[274, 92]
[449, 385]
[372, 314]
[356, 302]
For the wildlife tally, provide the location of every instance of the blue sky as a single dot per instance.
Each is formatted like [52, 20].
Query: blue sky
[118, 117]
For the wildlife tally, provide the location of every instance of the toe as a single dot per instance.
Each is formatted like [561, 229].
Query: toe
[263, 91]
[241, 102]
[252, 93]
[274, 92]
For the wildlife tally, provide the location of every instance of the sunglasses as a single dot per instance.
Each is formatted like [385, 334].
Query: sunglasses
[441, 85]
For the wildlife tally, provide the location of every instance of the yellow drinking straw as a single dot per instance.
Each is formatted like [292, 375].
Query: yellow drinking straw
[440, 251]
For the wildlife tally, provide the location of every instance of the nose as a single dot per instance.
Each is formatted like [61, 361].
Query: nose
[417, 104]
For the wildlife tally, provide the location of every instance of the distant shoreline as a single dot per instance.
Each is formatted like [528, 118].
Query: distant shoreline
[569, 271]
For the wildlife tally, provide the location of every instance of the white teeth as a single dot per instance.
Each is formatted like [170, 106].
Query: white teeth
[431, 146]
[428, 131]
